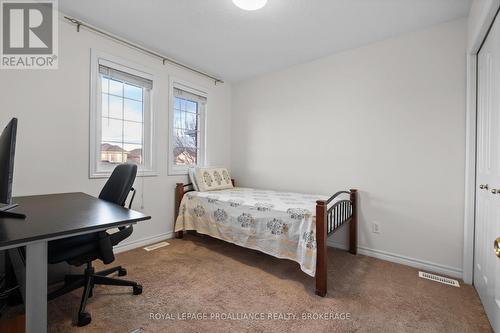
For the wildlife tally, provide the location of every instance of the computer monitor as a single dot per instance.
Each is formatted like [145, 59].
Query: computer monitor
[7, 152]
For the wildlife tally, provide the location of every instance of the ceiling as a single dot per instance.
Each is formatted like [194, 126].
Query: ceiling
[217, 37]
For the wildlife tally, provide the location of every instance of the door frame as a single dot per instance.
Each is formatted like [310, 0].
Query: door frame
[481, 18]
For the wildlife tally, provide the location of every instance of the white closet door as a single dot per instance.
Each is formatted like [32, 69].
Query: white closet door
[487, 227]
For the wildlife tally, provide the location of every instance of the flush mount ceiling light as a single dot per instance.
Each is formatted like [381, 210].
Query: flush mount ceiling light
[250, 4]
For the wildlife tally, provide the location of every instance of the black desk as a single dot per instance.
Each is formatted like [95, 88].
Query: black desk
[52, 217]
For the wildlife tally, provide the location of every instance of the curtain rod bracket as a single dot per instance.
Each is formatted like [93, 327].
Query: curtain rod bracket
[78, 27]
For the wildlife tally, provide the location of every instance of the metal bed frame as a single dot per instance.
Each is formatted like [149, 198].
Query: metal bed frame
[329, 218]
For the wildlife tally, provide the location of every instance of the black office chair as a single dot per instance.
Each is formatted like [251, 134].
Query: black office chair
[84, 249]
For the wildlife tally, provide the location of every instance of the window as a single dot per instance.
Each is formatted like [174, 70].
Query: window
[187, 119]
[122, 119]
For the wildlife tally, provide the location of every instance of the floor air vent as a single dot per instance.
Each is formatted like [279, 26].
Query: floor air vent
[439, 279]
[156, 246]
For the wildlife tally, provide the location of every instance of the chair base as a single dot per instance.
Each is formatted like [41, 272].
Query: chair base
[88, 280]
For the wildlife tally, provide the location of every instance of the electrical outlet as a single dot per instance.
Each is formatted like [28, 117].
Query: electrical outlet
[376, 228]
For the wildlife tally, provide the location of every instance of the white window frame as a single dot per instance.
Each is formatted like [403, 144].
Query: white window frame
[201, 158]
[149, 167]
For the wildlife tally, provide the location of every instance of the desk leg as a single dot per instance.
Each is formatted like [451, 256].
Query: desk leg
[36, 287]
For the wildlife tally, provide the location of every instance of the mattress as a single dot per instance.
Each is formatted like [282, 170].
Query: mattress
[281, 224]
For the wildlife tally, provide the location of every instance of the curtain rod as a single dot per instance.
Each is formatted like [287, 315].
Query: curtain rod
[164, 59]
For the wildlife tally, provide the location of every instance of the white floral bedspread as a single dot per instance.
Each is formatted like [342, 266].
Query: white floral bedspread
[280, 224]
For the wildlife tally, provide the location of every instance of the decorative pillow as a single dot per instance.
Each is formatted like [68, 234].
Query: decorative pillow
[192, 178]
[211, 179]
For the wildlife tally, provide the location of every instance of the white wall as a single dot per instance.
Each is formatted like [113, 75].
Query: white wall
[388, 119]
[53, 134]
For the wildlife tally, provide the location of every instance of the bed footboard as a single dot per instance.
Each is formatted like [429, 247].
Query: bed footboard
[329, 220]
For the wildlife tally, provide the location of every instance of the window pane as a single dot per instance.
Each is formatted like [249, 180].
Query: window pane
[185, 156]
[134, 153]
[105, 101]
[104, 84]
[178, 118]
[111, 130]
[112, 153]
[123, 114]
[186, 130]
[192, 106]
[132, 92]
[115, 87]
[132, 110]
[177, 103]
[191, 121]
[185, 138]
[115, 107]
[132, 132]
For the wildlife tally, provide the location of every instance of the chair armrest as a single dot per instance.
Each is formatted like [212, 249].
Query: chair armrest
[131, 199]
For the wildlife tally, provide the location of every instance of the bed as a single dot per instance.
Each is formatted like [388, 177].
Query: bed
[285, 225]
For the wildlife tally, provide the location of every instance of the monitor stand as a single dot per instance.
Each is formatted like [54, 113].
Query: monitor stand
[4, 212]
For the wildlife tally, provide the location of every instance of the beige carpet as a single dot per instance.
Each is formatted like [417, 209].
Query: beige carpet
[207, 276]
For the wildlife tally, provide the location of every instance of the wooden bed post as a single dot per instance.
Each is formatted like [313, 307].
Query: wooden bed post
[179, 193]
[321, 236]
[353, 228]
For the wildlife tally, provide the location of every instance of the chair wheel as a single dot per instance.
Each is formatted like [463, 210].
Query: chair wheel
[84, 319]
[122, 272]
[137, 289]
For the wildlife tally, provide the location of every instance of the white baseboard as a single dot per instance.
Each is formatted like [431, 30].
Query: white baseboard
[399, 259]
[142, 242]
